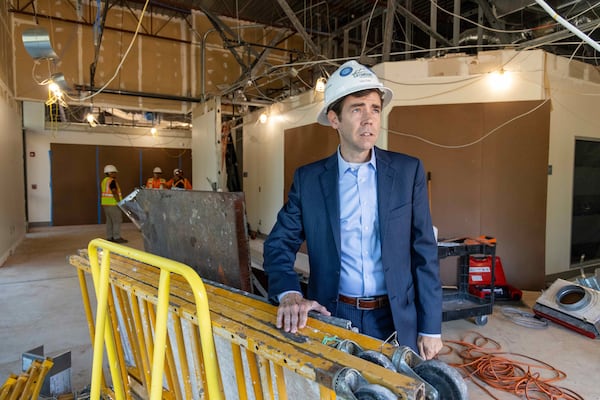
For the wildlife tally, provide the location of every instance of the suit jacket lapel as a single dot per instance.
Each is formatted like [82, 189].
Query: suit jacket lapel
[329, 186]
[385, 188]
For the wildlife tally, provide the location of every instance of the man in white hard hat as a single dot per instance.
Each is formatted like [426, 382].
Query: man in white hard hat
[156, 181]
[110, 197]
[365, 217]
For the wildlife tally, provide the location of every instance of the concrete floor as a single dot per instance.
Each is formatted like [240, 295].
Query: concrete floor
[40, 304]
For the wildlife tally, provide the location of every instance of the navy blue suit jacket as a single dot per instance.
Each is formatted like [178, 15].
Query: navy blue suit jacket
[408, 247]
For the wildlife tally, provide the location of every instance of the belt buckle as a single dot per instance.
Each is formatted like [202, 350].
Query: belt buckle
[359, 299]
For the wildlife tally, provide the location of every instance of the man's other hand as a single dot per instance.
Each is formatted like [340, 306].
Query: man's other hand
[429, 346]
[292, 313]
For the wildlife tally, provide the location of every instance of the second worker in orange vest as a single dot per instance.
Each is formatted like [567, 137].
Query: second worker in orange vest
[157, 181]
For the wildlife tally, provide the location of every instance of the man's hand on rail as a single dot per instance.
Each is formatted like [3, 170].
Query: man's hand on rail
[292, 313]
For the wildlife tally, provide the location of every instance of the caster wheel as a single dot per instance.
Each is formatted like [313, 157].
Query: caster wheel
[481, 320]
[377, 358]
[374, 392]
[445, 379]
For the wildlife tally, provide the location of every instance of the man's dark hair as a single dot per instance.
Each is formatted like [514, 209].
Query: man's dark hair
[336, 107]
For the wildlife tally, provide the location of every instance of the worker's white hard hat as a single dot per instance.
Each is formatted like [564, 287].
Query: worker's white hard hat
[110, 168]
[176, 171]
[157, 170]
[347, 79]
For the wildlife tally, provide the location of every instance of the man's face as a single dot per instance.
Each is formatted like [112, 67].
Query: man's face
[358, 125]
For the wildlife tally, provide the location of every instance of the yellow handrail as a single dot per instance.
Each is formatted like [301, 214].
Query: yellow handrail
[104, 334]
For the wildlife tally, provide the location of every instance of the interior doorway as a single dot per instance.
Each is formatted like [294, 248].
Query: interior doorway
[585, 228]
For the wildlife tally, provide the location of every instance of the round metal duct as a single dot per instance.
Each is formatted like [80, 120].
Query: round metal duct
[37, 43]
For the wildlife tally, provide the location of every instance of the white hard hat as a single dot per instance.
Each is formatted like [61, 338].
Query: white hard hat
[176, 171]
[110, 168]
[347, 79]
[157, 170]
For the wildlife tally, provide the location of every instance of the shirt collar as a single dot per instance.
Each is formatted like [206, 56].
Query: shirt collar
[343, 165]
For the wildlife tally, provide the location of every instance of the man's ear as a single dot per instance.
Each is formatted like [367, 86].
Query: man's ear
[333, 119]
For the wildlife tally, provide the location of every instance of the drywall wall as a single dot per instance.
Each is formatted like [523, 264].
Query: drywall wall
[207, 164]
[12, 201]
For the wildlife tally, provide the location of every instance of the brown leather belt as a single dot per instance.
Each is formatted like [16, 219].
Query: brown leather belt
[365, 303]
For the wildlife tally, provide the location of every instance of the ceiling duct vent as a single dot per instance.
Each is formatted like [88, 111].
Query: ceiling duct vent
[37, 44]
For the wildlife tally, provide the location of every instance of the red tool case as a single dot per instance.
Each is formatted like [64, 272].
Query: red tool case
[480, 279]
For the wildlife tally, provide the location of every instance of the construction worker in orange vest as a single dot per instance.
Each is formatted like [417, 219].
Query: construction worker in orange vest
[179, 182]
[110, 197]
[156, 182]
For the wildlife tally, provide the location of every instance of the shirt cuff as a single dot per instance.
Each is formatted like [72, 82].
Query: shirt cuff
[434, 335]
[280, 295]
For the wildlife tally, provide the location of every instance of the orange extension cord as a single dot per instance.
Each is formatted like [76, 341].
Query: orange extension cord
[487, 365]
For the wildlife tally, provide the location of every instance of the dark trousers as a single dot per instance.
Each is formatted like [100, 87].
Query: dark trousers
[377, 323]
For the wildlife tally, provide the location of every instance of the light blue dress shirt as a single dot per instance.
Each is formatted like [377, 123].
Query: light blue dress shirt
[362, 269]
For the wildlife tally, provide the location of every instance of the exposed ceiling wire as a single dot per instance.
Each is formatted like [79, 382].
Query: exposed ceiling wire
[364, 44]
[118, 69]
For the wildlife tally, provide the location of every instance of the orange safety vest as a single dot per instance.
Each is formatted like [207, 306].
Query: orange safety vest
[152, 183]
[181, 181]
[107, 196]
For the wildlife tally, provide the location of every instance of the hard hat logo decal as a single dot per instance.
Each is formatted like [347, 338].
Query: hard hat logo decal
[346, 71]
[364, 73]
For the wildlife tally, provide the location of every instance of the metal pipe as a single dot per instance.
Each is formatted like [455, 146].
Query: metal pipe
[568, 25]
[87, 88]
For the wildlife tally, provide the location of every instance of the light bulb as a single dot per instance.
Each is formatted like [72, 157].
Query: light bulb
[500, 80]
[263, 118]
[320, 86]
[91, 120]
[54, 88]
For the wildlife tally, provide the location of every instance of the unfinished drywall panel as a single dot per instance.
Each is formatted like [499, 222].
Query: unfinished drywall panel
[12, 202]
[206, 146]
[171, 59]
[264, 149]
[514, 187]
[29, 73]
[439, 137]
[445, 138]
[6, 49]
[304, 145]
[487, 165]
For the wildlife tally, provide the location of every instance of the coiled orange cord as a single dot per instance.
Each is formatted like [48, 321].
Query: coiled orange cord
[487, 365]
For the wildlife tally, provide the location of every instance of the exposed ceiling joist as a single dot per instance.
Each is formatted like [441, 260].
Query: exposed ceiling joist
[299, 28]
[422, 26]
